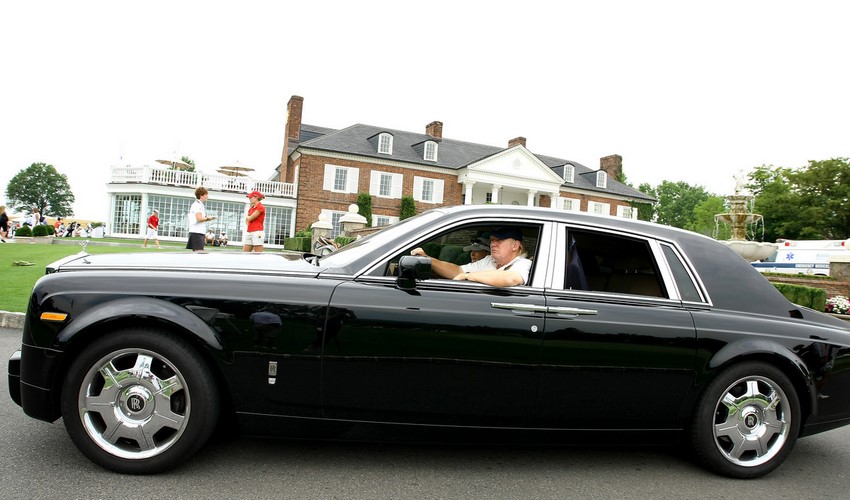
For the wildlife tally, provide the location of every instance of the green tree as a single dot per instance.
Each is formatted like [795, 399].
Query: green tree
[41, 186]
[408, 208]
[824, 191]
[777, 202]
[677, 202]
[646, 211]
[703, 220]
[364, 207]
[190, 162]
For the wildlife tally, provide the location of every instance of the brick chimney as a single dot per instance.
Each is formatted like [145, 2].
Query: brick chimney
[435, 130]
[516, 141]
[293, 133]
[612, 165]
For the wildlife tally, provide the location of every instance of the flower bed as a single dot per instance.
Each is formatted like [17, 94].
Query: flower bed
[838, 305]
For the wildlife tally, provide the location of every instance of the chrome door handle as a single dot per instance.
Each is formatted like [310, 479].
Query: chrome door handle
[518, 307]
[575, 311]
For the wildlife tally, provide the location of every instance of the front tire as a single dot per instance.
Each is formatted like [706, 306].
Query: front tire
[139, 401]
[747, 421]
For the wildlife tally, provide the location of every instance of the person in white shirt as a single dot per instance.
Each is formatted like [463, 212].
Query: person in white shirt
[198, 220]
[506, 265]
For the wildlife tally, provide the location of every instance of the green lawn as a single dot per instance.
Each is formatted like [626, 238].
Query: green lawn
[16, 281]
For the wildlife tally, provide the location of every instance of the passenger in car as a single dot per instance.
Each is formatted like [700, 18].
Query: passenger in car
[478, 249]
[506, 265]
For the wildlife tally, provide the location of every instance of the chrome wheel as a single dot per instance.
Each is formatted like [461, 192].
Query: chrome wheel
[139, 401]
[134, 404]
[747, 420]
[751, 421]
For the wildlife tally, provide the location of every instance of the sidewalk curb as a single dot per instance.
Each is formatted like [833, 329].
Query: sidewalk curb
[12, 320]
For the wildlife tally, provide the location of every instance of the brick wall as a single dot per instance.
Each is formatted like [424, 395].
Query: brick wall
[312, 198]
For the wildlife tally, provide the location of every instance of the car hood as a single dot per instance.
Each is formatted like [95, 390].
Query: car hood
[188, 261]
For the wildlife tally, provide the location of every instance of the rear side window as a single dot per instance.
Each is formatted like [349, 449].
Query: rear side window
[602, 262]
[687, 289]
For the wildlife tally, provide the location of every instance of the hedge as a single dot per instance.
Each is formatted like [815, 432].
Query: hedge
[297, 244]
[814, 298]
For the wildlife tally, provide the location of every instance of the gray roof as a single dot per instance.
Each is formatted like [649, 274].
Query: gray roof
[361, 140]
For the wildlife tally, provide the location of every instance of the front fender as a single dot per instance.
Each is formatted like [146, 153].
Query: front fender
[131, 307]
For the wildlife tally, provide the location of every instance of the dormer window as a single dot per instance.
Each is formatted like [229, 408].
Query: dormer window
[569, 173]
[602, 179]
[431, 151]
[385, 143]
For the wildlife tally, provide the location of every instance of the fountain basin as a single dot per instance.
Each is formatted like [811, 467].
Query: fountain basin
[751, 250]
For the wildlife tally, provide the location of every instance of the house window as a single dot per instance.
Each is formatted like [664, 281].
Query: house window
[598, 208]
[569, 173]
[383, 220]
[601, 179]
[627, 212]
[385, 184]
[431, 151]
[488, 198]
[428, 190]
[385, 143]
[340, 179]
[571, 204]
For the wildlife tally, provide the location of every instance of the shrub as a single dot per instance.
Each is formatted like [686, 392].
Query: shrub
[23, 231]
[304, 233]
[341, 241]
[50, 230]
[364, 207]
[297, 244]
[814, 298]
[408, 208]
[40, 230]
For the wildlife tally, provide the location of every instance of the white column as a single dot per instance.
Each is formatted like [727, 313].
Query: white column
[496, 189]
[467, 197]
[531, 194]
[553, 200]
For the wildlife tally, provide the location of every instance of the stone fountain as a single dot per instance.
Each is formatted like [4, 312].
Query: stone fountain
[739, 217]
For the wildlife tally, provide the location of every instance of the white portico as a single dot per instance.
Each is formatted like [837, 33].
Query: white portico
[511, 177]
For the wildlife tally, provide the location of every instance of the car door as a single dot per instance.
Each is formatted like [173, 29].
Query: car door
[618, 349]
[448, 352]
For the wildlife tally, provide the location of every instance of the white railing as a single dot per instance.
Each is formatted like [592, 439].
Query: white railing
[180, 178]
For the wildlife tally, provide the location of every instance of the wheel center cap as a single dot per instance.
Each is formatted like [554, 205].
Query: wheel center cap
[750, 420]
[136, 402]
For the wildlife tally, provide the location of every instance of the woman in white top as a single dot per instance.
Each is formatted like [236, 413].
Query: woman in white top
[198, 220]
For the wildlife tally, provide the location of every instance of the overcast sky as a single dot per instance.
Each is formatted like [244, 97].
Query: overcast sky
[684, 91]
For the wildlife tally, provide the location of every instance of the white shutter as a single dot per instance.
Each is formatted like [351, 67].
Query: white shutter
[438, 190]
[417, 188]
[398, 181]
[353, 180]
[375, 183]
[330, 173]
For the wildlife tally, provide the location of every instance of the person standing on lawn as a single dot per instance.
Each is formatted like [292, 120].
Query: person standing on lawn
[153, 224]
[256, 217]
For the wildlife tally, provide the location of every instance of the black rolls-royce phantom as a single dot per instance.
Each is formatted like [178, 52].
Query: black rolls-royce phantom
[621, 326]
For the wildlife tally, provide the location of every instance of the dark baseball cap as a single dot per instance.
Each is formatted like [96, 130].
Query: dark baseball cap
[505, 232]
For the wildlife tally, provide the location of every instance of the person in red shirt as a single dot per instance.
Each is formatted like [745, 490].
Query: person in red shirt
[153, 224]
[253, 241]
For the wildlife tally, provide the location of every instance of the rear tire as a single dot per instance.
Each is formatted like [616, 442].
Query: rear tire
[139, 401]
[747, 421]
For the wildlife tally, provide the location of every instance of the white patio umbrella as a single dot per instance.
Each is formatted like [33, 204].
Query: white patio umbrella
[231, 173]
[236, 167]
[178, 164]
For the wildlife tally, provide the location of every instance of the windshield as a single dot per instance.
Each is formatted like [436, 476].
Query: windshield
[375, 241]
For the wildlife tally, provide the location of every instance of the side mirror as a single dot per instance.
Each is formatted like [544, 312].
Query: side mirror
[412, 268]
